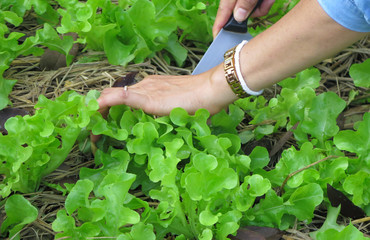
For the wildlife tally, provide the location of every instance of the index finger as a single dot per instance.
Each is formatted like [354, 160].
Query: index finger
[111, 97]
[224, 11]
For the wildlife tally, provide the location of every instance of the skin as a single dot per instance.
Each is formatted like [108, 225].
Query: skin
[303, 37]
[240, 9]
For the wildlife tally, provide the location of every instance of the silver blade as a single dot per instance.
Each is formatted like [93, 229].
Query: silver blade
[215, 53]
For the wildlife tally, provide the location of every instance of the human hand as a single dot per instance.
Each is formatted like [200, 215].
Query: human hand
[241, 9]
[158, 95]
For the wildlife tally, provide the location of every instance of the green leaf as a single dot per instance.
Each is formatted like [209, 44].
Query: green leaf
[145, 134]
[259, 158]
[321, 121]
[307, 78]
[227, 123]
[63, 222]
[330, 222]
[361, 74]
[263, 130]
[288, 163]
[142, 13]
[117, 159]
[49, 38]
[217, 146]
[182, 237]
[206, 234]
[356, 141]
[349, 232]
[165, 168]
[304, 200]
[252, 187]
[213, 182]
[179, 117]
[298, 111]
[334, 171]
[17, 217]
[246, 136]
[102, 127]
[206, 218]
[79, 195]
[12, 18]
[269, 211]
[6, 87]
[203, 162]
[178, 52]
[167, 209]
[228, 224]
[354, 184]
[50, 16]
[93, 212]
[114, 188]
[66, 226]
[117, 52]
[331, 230]
[17, 7]
[40, 6]
[198, 121]
[258, 186]
[142, 231]
[44, 140]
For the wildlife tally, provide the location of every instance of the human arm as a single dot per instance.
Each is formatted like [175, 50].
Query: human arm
[303, 37]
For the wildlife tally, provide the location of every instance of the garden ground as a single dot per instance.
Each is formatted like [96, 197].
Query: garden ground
[99, 74]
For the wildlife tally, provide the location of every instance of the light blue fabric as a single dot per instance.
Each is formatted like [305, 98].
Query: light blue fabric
[351, 14]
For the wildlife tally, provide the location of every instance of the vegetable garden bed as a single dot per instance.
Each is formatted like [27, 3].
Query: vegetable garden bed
[266, 162]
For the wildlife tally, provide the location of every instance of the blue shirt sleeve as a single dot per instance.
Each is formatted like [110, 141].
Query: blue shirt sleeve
[351, 14]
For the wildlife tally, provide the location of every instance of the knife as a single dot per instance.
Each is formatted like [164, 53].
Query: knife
[230, 35]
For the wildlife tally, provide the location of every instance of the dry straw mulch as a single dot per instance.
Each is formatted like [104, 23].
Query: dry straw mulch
[82, 77]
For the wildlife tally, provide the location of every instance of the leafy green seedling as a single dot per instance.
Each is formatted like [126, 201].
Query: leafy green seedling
[19, 212]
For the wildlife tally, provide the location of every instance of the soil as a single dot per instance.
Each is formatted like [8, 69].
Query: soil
[32, 81]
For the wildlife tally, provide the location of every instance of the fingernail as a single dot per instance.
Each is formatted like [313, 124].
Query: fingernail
[240, 15]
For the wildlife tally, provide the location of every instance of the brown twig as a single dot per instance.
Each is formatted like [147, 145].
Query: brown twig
[304, 168]
[254, 126]
[361, 220]
[283, 140]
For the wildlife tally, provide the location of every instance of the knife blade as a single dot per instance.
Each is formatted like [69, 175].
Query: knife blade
[230, 35]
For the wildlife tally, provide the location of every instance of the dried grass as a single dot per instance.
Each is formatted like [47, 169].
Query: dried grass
[32, 82]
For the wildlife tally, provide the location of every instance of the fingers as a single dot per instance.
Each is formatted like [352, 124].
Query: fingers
[154, 95]
[241, 10]
[158, 95]
[116, 96]
[94, 139]
[111, 97]
[108, 98]
[225, 9]
[263, 9]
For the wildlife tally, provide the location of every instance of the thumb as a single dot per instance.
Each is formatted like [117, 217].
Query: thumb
[111, 97]
[243, 8]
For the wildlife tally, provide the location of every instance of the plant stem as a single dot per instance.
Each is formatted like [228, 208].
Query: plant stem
[361, 220]
[304, 168]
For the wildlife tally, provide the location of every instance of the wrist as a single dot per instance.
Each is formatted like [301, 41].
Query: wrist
[223, 92]
[233, 74]
[250, 69]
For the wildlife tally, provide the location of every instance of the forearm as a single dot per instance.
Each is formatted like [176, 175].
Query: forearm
[302, 38]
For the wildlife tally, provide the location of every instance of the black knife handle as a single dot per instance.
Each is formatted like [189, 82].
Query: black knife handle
[233, 26]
